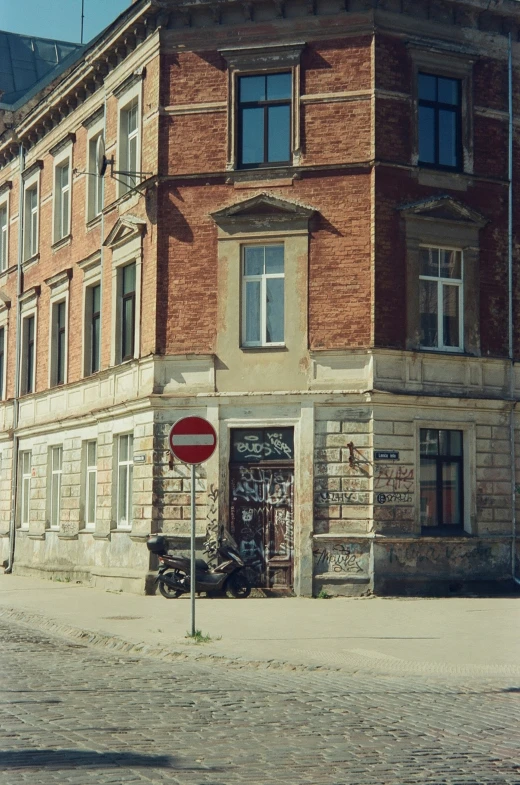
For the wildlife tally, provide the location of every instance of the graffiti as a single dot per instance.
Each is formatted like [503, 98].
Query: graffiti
[68, 527]
[393, 478]
[267, 486]
[284, 532]
[394, 498]
[325, 498]
[273, 446]
[213, 528]
[338, 558]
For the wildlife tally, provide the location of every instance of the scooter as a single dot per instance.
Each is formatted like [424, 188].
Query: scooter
[174, 571]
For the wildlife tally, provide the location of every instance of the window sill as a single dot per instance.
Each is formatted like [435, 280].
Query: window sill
[125, 529]
[62, 242]
[270, 348]
[445, 531]
[286, 173]
[93, 222]
[86, 530]
[30, 261]
[444, 350]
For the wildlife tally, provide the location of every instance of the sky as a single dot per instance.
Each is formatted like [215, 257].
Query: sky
[59, 19]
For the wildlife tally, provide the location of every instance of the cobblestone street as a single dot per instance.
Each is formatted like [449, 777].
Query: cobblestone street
[77, 714]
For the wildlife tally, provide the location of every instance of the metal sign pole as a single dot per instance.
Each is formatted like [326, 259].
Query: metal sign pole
[192, 578]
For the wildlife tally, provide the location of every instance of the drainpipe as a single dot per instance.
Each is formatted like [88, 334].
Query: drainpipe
[510, 310]
[18, 338]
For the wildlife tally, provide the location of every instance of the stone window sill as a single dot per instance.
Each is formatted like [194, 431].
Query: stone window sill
[62, 242]
[30, 261]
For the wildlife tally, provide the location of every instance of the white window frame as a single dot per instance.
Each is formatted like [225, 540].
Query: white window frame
[457, 283]
[90, 477]
[4, 325]
[4, 234]
[129, 253]
[122, 522]
[55, 471]
[95, 183]
[263, 296]
[25, 488]
[28, 305]
[127, 101]
[31, 217]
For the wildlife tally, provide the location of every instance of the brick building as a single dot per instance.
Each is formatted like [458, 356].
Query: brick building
[305, 234]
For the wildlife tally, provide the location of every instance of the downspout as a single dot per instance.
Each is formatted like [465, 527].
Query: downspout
[510, 311]
[18, 338]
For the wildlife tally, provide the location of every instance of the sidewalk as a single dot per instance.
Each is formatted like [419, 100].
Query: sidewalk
[445, 637]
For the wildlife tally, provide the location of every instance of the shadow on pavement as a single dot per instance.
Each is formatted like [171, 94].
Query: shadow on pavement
[72, 759]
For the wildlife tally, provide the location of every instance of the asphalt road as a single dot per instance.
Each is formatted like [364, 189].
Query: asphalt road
[76, 714]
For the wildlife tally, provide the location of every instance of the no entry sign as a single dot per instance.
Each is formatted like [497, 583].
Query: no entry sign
[192, 440]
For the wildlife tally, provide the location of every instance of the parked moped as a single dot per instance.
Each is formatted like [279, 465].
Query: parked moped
[174, 570]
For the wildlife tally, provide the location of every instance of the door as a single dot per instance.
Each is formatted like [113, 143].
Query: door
[262, 506]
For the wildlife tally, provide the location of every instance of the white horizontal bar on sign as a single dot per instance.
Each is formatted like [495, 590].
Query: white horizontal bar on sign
[187, 439]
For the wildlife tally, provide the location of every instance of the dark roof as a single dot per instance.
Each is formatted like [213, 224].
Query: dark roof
[25, 61]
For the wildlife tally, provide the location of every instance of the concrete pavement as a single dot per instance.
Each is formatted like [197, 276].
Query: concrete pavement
[447, 637]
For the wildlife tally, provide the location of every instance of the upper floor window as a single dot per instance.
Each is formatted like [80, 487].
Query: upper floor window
[58, 346]
[440, 119]
[28, 354]
[129, 145]
[127, 310]
[440, 295]
[95, 182]
[264, 119]
[263, 295]
[61, 201]
[441, 481]
[3, 237]
[30, 243]
[2, 361]
[93, 329]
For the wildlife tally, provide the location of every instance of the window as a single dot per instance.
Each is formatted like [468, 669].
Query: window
[264, 119]
[127, 276]
[61, 201]
[125, 470]
[25, 488]
[91, 485]
[28, 355]
[263, 295]
[93, 336]
[440, 295]
[59, 347]
[129, 144]
[441, 479]
[95, 182]
[2, 362]
[30, 245]
[55, 495]
[439, 121]
[3, 237]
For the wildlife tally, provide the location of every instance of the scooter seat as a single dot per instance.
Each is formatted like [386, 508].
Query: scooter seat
[201, 565]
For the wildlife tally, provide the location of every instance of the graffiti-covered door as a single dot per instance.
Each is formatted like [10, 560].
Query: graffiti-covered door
[262, 504]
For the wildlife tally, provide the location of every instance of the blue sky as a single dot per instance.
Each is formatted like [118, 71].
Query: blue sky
[60, 19]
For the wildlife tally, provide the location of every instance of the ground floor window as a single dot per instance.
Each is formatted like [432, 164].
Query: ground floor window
[125, 466]
[55, 500]
[441, 480]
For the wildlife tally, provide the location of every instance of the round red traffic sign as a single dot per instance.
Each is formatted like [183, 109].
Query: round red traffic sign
[192, 440]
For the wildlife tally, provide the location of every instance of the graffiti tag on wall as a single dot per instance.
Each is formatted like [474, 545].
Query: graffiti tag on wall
[340, 557]
[267, 486]
[326, 498]
[394, 498]
[393, 478]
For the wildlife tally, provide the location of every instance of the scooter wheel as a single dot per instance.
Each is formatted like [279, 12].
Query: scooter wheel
[168, 592]
[237, 586]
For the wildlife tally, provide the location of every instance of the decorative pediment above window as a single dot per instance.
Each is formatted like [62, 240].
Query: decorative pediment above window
[5, 300]
[263, 212]
[126, 228]
[443, 208]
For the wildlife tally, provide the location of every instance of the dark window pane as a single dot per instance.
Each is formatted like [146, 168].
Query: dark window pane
[2, 361]
[274, 259]
[275, 310]
[279, 86]
[426, 134]
[96, 298]
[455, 443]
[252, 88]
[428, 313]
[96, 323]
[427, 87]
[129, 279]
[428, 484]
[252, 137]
[450, 316]
[128, 327]
[429, 261]
[252, 328]
[279, 133]
[429, 441]
[447, 138]
[254, 260]
[451, 264]
[451, 493]
[448, 91]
